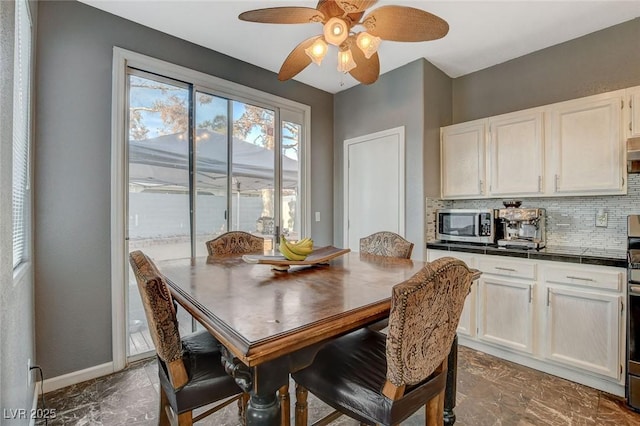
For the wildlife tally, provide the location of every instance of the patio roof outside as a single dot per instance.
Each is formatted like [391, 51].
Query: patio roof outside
[162, 162]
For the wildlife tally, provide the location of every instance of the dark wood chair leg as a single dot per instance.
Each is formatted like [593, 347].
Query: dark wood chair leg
[163, 415]
[301, 406]
[452, 378]
[285, 405]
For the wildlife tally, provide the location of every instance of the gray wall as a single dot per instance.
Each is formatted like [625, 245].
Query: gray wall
[72, 160]
[397, 99]
[16, 296]
[599, 62]
[437, 113]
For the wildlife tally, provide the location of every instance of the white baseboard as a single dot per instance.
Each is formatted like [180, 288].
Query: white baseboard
[34, 404]
[76, 377]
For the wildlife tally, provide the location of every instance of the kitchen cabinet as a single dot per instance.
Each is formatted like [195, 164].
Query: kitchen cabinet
[515, 154]
[506, 313]
[568, 148]
[583, 318]
[583, 329]
[562, 318]
[633, 112]
[505, 303]
[462, 157]
[585, 146]
[467, 324]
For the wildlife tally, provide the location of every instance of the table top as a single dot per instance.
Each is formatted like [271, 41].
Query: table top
[260, 314]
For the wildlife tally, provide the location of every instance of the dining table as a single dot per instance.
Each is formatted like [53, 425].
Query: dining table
[271, 323]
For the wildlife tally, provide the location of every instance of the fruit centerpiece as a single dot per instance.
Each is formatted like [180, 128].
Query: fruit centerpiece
[295, 251]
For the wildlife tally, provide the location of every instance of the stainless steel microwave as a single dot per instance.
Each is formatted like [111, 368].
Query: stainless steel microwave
[466, 225]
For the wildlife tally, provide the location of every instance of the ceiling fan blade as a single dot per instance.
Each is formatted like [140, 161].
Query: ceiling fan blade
[366, 70]
[400, 23]
[297, 60]
[353, 6]
[283, 15]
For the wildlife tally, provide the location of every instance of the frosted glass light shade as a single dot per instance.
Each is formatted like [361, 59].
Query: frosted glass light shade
[345, 61]
[336, 31]
[368, 43]
[317, 51]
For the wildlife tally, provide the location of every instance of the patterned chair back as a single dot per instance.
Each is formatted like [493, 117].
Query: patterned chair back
[158, 307]
[387, 244]
[425, 311]
[235, 242]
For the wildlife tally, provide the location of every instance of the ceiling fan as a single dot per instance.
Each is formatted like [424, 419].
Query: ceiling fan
[357, 50]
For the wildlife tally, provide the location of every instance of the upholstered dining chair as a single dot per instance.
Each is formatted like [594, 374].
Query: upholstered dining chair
[387, 244]
[378, 379]
[190, 368]
[235, 242]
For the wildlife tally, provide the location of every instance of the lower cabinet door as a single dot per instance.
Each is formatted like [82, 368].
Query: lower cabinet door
[583, 330]
[467, 324]
[506, 313]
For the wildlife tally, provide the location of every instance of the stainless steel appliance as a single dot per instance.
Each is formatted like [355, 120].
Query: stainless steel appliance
[632, 388]
[522, 228]
[466, 225]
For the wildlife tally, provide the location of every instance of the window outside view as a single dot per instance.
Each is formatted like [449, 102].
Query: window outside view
[159, 219]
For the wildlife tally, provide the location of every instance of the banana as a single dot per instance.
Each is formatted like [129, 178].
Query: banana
[305, 242]
[301, 250]
[287, 253]
[303, 247]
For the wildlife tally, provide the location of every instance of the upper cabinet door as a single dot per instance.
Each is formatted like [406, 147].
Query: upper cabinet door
[633, 123]
[462, 150]
[516, 152]
[585, 143]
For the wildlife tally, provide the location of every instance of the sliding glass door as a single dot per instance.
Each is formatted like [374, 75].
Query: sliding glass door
[201, 164]
[158, 204]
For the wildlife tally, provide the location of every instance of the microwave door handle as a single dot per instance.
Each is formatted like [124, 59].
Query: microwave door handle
[477, 225]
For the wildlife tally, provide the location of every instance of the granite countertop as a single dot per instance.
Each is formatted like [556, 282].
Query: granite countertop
[589, 256]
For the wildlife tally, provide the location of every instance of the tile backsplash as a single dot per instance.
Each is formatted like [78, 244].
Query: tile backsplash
[570, 221]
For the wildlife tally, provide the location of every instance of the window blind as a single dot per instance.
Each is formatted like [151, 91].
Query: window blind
[21, 130]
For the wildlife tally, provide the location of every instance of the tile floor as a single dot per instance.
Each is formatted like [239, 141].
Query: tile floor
[490, 392]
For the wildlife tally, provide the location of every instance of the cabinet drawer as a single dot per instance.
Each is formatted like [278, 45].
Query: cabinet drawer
[585, 277]
[508, 268]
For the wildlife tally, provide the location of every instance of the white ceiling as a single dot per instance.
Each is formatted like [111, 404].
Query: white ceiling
[482, 33]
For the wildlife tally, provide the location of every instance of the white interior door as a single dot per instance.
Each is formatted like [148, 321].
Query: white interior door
[373, 185]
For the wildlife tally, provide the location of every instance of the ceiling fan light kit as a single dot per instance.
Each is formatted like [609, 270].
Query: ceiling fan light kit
[368, 43]
[345, 61]
[317, 51]
[339, 17]
[336, 31]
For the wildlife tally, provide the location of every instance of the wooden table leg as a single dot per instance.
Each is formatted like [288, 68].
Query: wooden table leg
[263, 410]
[450, 390]
[264, 406]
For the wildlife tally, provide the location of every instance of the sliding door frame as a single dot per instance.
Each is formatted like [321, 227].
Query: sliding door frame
[122, 59]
